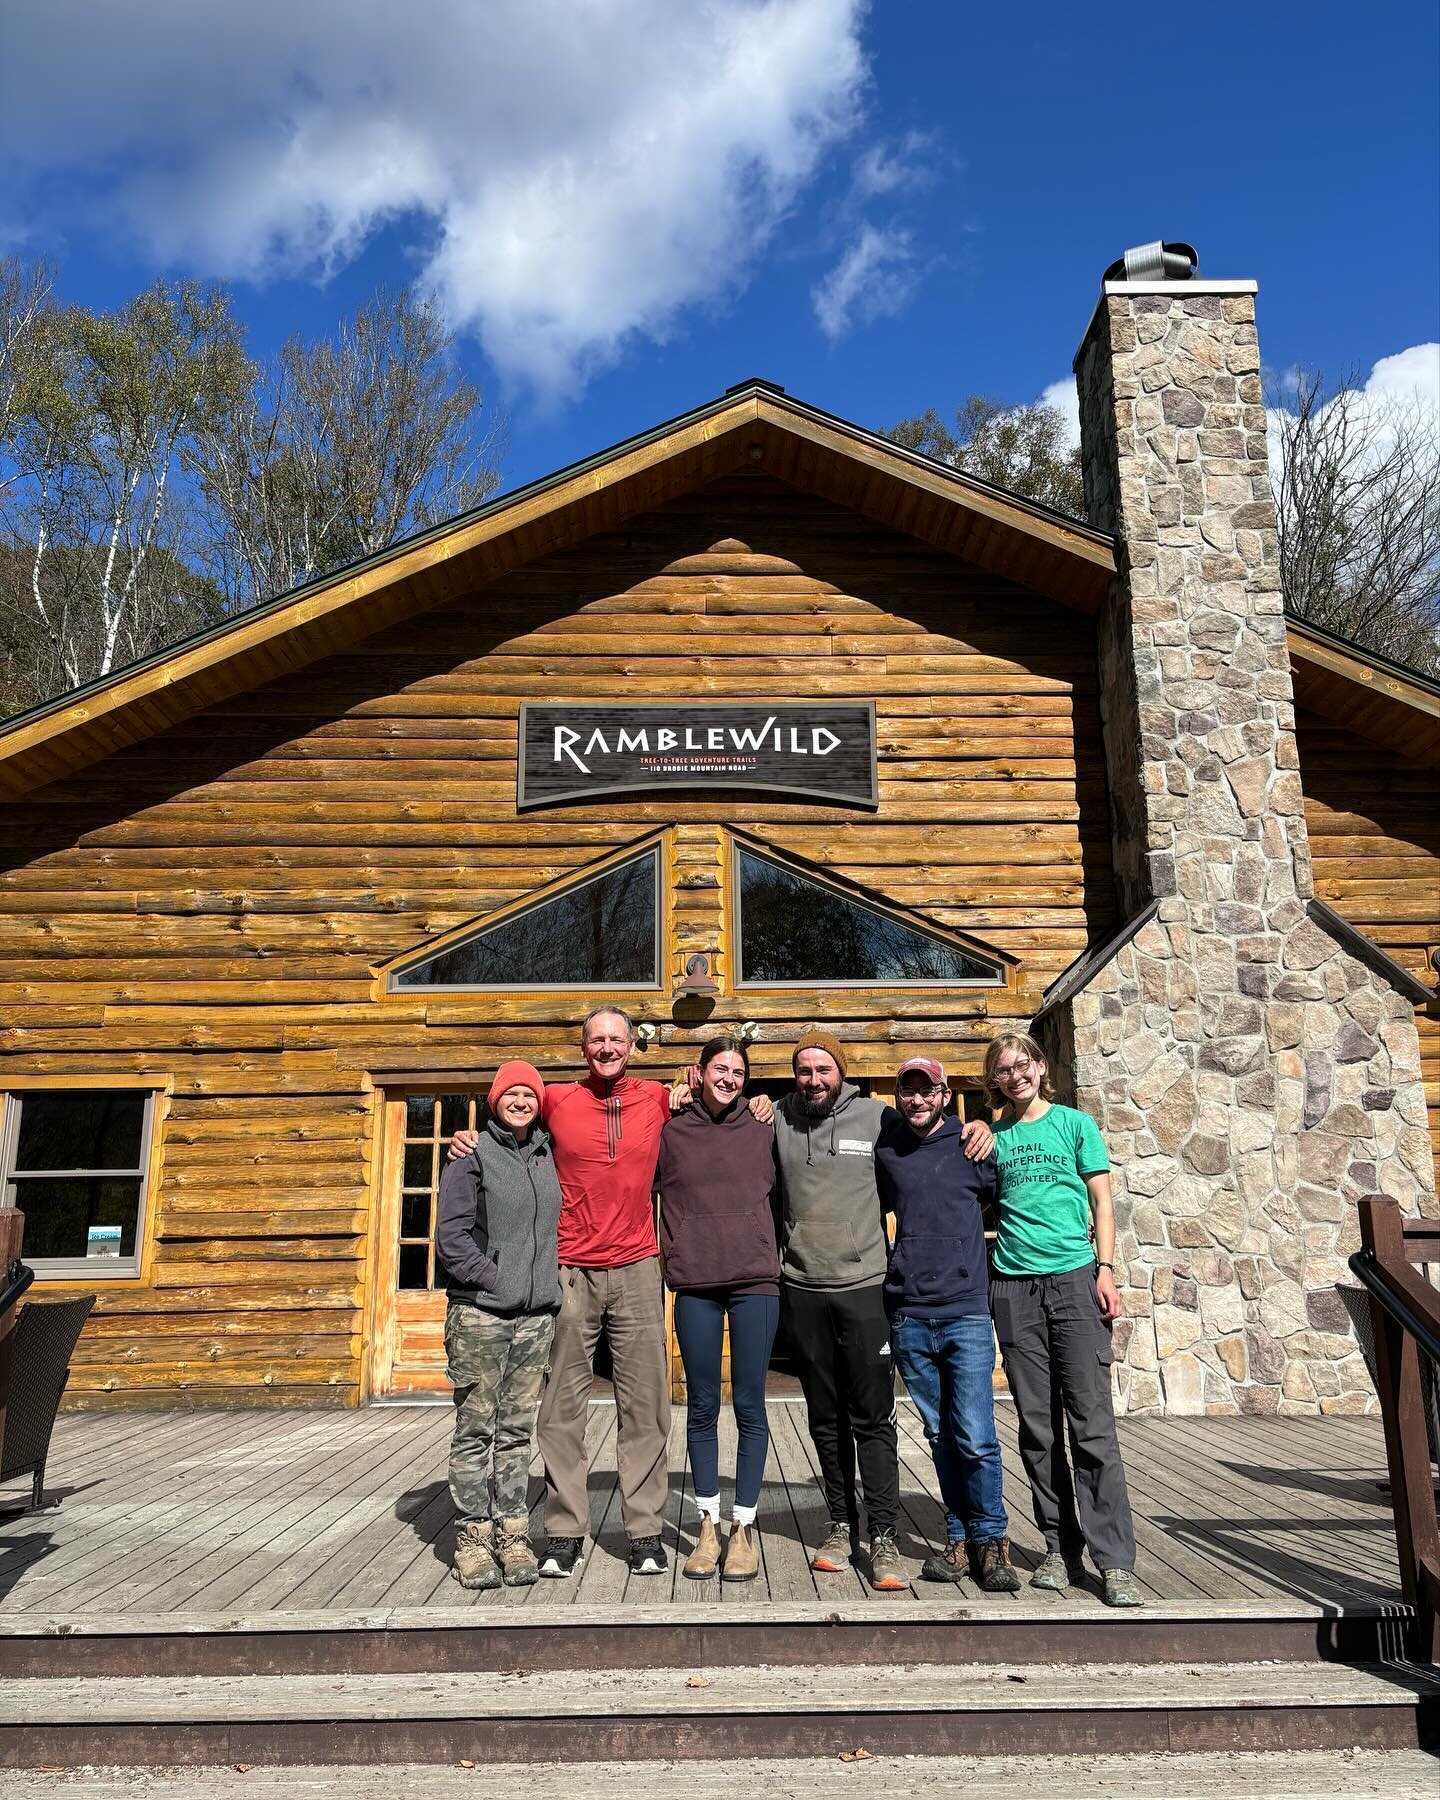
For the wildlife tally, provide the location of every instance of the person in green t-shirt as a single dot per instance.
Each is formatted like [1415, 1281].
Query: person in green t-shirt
[1053, 1299]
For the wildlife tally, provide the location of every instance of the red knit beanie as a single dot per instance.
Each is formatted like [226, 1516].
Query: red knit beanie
[516, 1074]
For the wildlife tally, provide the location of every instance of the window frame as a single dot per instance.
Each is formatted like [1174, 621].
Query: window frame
[83, 1269]
[654, 847]
[741, 846]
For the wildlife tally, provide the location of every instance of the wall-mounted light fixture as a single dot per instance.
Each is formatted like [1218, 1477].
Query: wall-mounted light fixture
[697, 975]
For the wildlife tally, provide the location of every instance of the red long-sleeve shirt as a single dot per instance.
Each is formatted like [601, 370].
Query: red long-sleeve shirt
[606, 1138]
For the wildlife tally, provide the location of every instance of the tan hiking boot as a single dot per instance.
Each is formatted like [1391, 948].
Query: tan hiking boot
[513, 1553]
[474, 1564]
[704, 1559]
[742, 1559]
[833, 1556]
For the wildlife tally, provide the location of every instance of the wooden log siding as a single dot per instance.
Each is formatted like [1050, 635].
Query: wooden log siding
[1374, 824]
[211, 905]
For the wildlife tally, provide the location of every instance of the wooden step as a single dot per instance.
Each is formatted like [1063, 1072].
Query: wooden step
[1020, 1628]
[525, 1715]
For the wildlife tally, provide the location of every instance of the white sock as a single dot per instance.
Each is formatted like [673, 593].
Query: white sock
[708, 1506]
[743, 1515]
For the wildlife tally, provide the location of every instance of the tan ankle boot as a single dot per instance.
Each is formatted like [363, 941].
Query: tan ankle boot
[742, 1559]
[513, 1553]
[475, 1565]
[704, 1559]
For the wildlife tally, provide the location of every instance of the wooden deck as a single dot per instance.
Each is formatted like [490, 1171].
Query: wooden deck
[248, 1513]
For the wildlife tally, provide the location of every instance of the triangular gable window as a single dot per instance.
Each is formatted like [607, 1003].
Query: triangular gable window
[799, 929]
[600, 932]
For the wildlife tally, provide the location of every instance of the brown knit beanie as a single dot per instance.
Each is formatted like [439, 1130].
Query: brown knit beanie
[815, 1039]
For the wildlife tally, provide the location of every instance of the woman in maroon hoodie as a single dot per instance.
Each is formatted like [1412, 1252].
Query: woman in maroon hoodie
[716, 1178]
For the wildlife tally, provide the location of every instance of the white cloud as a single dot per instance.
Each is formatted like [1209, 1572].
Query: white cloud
[883, 168]
[872, 280]
[582, 170]
[1065, 398]
[1405, 386]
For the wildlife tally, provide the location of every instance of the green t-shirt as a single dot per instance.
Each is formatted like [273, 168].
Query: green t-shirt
[1044, 1204]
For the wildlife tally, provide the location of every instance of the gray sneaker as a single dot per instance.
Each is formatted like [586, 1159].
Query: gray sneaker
[887, 1572]
[1121, 1588]
[833, 1556]
[1057, 1576]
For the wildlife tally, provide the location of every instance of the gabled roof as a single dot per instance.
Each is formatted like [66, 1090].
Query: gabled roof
[755, 425]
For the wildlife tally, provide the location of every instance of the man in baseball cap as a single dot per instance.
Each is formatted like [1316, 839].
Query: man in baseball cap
[937, 1298]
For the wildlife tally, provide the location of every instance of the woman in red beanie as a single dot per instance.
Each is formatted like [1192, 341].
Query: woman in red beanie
[495, 1234]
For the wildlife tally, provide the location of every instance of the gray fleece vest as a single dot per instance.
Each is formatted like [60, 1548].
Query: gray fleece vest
[834, 1228]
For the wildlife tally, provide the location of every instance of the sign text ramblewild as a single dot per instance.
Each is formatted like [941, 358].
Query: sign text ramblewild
[823, 750]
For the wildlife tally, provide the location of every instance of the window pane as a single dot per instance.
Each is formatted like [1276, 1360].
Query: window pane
[59, 1215]
[419, 1160]
[415, 1216]
[792, 929]
[99, 1130]
[599, 934]
[414, 1266]
[419, 1115]
[455, 1112]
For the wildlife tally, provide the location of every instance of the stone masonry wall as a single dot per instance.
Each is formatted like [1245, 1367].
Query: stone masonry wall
[1251, 1077]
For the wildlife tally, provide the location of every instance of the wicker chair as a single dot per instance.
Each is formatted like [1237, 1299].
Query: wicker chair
[44, 1341]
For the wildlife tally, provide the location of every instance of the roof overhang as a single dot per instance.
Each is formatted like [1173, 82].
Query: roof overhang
[755, 426]
[1395, 706]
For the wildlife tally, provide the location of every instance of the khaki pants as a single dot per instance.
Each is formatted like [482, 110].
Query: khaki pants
[630, 1304]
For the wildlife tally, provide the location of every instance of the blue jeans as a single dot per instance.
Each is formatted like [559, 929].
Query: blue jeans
[699, 1327]
[947, 1366]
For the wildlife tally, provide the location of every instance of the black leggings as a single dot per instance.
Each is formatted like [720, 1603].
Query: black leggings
[699, 1326]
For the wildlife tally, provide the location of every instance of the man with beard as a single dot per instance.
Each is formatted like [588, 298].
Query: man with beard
[832, 1305]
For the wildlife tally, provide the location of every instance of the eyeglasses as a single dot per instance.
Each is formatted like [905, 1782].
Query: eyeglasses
[925, 1092]
[1013, 1069]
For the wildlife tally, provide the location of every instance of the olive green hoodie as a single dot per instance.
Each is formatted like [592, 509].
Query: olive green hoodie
[834, 1227]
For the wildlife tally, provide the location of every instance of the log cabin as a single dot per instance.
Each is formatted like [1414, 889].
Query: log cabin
[754, 720]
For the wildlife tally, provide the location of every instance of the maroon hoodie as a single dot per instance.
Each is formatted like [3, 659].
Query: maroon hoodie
[717, 1222]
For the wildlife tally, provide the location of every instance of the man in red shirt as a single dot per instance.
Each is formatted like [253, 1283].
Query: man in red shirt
[605, 1131]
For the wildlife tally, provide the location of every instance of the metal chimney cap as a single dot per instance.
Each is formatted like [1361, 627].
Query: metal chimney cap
[1156, 262]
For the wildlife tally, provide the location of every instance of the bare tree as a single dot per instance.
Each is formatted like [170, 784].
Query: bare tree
[1022, 449]
[95, 516]
[1357, 492]
[341, 448]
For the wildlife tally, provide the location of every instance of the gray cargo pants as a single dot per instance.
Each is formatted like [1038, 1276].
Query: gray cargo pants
[497, 1367]
[1056, 1348]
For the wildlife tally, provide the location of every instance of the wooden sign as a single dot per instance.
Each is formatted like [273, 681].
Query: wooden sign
[822, 750]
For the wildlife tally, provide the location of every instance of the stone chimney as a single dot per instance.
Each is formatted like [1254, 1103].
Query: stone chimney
[1252, 1075]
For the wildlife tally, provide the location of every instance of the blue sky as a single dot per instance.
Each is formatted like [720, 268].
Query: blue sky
[627, 205]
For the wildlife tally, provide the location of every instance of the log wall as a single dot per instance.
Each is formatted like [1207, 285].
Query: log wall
[1374, 824]
[209, 908]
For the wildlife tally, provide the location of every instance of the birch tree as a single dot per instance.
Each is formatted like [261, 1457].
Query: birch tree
[342, 447]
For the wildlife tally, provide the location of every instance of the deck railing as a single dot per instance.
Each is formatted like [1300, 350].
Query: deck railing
[1405, 1313]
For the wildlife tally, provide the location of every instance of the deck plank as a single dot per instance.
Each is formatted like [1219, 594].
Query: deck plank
[209, 1513]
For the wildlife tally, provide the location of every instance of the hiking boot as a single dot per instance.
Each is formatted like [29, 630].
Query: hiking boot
[833, 1556]
[563, 1556]
[991, 1568]
[1056, 1575]
[647, 1556]
[1121, 1588]
[513, 1553]
[742, 1559]
[887, 1572]
[704, 1559]
[474, 1564]
[948, 1564]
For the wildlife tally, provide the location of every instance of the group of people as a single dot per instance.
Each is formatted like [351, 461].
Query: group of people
[577, 1204]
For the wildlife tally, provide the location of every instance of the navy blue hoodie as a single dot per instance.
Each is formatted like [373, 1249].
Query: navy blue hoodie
[937, 1263]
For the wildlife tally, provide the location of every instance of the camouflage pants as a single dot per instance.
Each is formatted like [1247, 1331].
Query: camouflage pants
[497, 1367]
